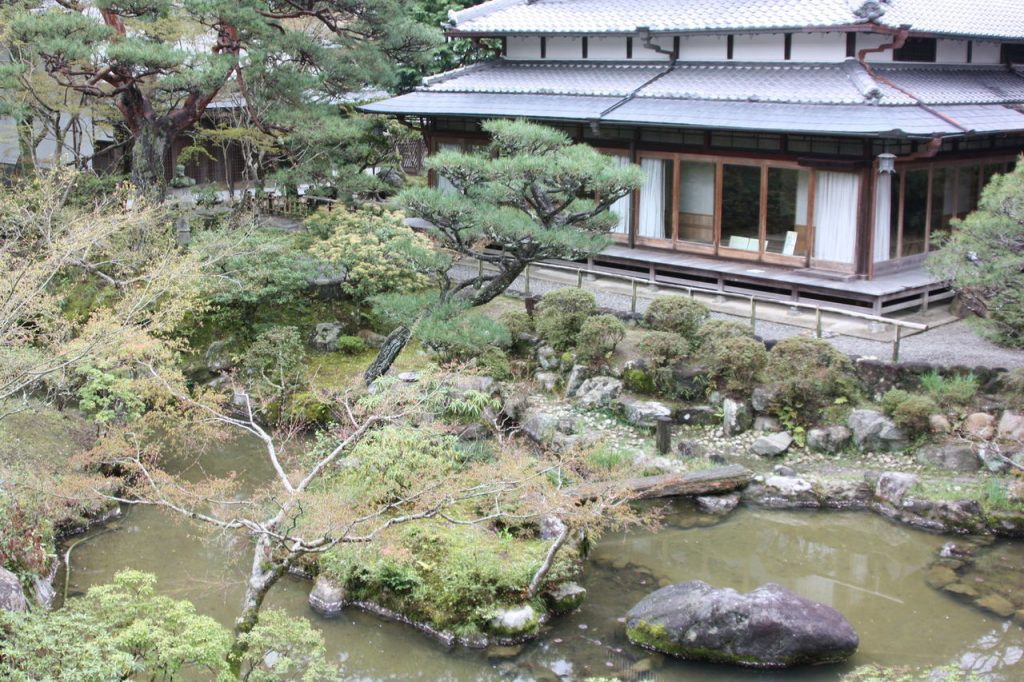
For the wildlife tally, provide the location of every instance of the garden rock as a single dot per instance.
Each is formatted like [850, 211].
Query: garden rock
[873, 431]
[548, 358]
[548, 380]
[566, 597]
[773, 445]
[761, 398]
[938, 423]
[736, 417]
[598, 392]
[828, 439]
[769, 627]
[325, 336]
[952, 456]
[12, 597]
[217, 358]
[980, 425]
[697, 415]
[766, 423]
[463, 383]
[644, 412]
[515, 622]
[783, 470]
[992, 459]
[1011, 426]
[371, 338]
[327, 597]
[690, 448]
[892, 486]
[717, 505]
[578, 375]
[409, 377]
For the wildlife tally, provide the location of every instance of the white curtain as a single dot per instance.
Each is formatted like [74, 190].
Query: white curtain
[803, 179]
[443, 183]
[652, 199]
[835, 216]
[697, 187]
[624, 206]
[883, 217]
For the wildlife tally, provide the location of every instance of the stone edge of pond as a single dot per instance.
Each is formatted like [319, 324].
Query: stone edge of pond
[889, 494]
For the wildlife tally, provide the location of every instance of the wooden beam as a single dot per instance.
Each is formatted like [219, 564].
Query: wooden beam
[709, 481]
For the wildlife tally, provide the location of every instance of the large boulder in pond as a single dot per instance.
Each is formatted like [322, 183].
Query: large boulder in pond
[12, 597]
[768, 628]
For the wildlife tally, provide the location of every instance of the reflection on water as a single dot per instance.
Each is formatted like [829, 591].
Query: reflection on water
[870, 570]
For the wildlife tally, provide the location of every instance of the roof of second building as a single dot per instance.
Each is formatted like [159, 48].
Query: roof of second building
[993, 18]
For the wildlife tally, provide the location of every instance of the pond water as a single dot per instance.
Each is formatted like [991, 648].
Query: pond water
[870, 570]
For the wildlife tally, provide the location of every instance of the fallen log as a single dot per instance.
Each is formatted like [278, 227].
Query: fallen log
[707, 482]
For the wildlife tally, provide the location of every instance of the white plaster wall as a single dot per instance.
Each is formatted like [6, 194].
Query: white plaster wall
[560, 47]
[8, 141]
[818, 47]
[951, 52]
[607, 47]
[522, 47]
[869, 40]
[46, 150]
[760, 47]
[700, 48]
[985, 52]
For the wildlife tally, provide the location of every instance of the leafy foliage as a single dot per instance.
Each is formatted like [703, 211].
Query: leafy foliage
[676, 314]
[561, 315]
[984, 258]
[274, 365]
[909, 411]
[737, 363]
[953, 391]
[714, 332]
[809, 376]
[663, 348]
[377, 251]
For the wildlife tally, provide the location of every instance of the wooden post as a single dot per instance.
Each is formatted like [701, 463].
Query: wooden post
[663, 434]
[817, 323]
[526, 288]
[579, 278]
[632, 300]
[753, 314]
[897, 335]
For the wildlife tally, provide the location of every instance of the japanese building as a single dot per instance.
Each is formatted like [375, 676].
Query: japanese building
[808, 149]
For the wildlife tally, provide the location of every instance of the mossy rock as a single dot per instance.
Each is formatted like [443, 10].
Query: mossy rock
[565, 597]
[514, 622]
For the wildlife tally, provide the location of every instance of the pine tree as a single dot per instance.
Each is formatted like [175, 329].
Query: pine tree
[528, 196]
[163, 62]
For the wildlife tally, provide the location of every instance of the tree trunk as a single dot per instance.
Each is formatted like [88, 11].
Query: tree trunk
[709, 481]
[389, 350]
[264, 575]
[26, 163]
[495, 287]
[150, 149]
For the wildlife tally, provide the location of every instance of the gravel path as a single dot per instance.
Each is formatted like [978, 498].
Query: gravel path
[950, 344]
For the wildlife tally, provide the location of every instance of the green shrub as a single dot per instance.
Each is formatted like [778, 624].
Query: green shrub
[677, 314]
[637, 380]
[809, 375]
[737, 363]
[599, 337]
[494, 363]
[516, 322]
[955, 391]
[606, 458]
[714, 332]
[893, 398]
[912, 415]
[350, 345]
[562, 314]
[275, 364]
[663, 348]
[1012, 384]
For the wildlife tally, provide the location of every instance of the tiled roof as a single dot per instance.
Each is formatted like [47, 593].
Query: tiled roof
[850, 119]
[794, 83]
[991, 18]
[934, 84]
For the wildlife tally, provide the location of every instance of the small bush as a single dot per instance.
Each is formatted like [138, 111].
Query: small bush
[598, 338]
[516, 322]
[350, 345]
[562, 314]
[494, 363]
[956, 391]
[909, 411]
[636, 380]
[605, 458]
[737, 363]
[677, 314]
[663, 348]
[714, 332]
[1013, 387]
[809, 376]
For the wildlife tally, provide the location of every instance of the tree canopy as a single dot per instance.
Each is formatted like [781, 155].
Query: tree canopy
[984, 258]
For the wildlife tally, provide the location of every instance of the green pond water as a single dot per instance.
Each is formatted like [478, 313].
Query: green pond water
[870, 570]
